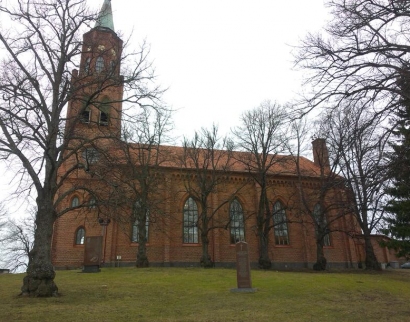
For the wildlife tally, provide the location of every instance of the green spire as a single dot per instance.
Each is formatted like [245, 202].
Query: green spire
[105, 18]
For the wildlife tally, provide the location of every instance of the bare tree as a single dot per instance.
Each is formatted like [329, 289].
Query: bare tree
[263, 136]
[41, 48]
[324, 203]
[16, 241]
[360, 54]
[356, 138]
[356, 66]
[138, 175]
[206, 160]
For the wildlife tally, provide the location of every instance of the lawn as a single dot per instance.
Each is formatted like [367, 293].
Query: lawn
[194, 294]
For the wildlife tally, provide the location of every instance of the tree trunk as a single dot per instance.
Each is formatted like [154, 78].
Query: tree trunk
[321, 261]
[39, 281]
[206, 260]
[142, 257]
[263, 231]
[370, 257]
[264, 260]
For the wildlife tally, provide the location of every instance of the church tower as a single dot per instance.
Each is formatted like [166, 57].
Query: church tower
[98, 86]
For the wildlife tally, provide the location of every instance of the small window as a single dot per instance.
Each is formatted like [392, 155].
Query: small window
[75, 202]
[190, 229]
[85, 115]
[104, 113]
[321, 220]
[112, 67]
[237, 223]
[280, 224]
[80, 236]
[90, 155]
[99, 65]
[87, 66]
[91, 203]
[103, 118]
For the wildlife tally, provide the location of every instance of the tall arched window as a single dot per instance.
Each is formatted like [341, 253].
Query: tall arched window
[190, 221]
[75, 202]
[99, 65]
[80, 236]
[112, 67]
[135, 231]
[320, 219]
[87, 66]
[280, 224]
[237, 224]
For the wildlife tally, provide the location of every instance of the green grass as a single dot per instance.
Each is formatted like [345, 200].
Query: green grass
[193, 294]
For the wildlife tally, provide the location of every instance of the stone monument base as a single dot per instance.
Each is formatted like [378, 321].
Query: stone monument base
[91, 269]
[244, 290]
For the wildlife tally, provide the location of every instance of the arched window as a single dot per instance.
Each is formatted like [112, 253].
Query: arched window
[87, 66]
[190, 221]
[104, 108]
[91, 203]
[135, 231]
[75, 202]
[237, 224]
[104, 114]
[280, 224]
[90, 155]
[80, 236]
[112, 66]
[99, 65]
[320, 219]
[85, 115]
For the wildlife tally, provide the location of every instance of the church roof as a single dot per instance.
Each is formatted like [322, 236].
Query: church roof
[105, 17]
[173, 157]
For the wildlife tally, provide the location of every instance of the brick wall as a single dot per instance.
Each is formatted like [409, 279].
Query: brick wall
[165, 244]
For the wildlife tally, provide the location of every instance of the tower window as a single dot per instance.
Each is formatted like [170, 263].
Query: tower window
[91, 203]
[103, 118]
[104, 114]
[99, 65]
[90, 155]
[87, 66]
[85, 115]
[75, 202]
[112, 67]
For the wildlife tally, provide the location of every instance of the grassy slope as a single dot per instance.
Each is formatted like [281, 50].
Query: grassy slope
[168, 294]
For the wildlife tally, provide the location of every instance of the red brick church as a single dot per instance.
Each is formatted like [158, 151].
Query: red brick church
[169, 240]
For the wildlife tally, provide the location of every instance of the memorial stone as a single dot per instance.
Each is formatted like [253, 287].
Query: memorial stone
[92, 254]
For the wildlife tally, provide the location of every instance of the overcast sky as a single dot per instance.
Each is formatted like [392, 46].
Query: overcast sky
[217, 57]
[220, 57]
